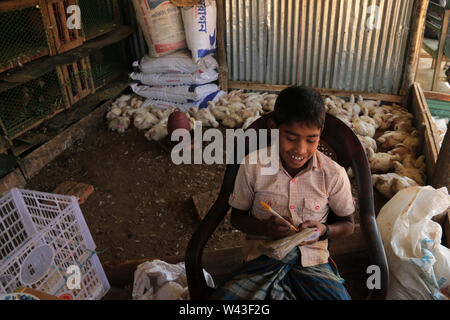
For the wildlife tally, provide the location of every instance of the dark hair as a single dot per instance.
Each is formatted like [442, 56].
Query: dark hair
[300, 104]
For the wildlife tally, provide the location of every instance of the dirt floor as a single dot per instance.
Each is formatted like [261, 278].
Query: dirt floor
[142, 204]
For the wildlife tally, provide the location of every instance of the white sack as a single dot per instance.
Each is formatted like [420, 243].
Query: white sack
[158, 79]
[419, 265]
[203, 103]
[159, 280]
[178, 62]
[162, 26]
[178, 94]
[200, 28]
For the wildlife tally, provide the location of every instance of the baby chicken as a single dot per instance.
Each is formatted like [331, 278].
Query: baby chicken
[249, 121]
[412, 140]
[381, 161]
[144, 120]
[410, 162]
[368, 104]
[363, 128]
[412, 173]
[390, 139]
[114, 113]
[233, 121]
[204, 115]
[119, 124]
[158, 132]
[368, 143]
[219, 112]
[401, 150]
[390, 183]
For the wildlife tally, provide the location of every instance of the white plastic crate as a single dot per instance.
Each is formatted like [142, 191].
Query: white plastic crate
[41, 235]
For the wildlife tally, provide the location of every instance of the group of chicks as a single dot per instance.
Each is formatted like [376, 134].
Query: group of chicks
[396, 168]
[233, 110]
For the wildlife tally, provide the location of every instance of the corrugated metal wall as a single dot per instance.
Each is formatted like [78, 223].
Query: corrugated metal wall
[319, 43]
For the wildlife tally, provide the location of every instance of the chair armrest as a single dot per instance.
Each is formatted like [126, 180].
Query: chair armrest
[369, 225]
[193, 257]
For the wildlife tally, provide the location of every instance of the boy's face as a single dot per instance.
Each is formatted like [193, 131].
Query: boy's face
[298, 142]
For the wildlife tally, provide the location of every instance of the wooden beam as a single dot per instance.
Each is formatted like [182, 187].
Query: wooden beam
[9, 5]
[77, 189]
[415, 46]
[441, 175]
[14, 179]
[436, 95]
[423, 122]
[323, 91]
[221, 52]
[443, 37]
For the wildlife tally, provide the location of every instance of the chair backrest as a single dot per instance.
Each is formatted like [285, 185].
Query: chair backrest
[340, 143]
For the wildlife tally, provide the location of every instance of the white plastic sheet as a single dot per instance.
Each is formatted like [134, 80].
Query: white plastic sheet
[159, 280]
[419, 265]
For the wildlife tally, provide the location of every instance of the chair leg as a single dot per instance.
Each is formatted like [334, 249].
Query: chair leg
[436, 74]
[433, 64]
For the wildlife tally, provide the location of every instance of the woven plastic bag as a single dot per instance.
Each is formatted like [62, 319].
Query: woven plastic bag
[419, 265]
[159, 280]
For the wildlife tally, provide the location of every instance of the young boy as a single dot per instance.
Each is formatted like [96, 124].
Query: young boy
[306, 186]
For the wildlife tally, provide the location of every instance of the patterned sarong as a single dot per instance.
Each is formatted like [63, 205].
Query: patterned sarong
[269, 279]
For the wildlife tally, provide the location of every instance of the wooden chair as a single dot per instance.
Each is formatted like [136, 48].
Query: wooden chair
[340, 143]
[435, 48]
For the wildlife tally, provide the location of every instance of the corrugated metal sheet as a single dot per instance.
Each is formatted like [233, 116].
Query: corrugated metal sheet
[319, 43]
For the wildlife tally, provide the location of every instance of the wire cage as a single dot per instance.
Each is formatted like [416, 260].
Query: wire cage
[23, 106]
[77, 79]
[108, 64]
[98, 17]
[22, 33]
[65, 36]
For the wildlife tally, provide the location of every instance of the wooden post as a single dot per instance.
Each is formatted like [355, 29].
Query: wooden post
[438, 62]
[415, 46]
[441, 176]
[221, 52]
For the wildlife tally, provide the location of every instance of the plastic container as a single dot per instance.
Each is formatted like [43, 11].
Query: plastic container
[41, 236]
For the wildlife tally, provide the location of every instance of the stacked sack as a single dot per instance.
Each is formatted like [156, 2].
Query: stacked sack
[182, 79]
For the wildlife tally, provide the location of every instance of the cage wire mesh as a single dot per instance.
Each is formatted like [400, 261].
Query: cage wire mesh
[22, 106]
[97, 16]
[78, 80]
[107, 64]
[22, 37]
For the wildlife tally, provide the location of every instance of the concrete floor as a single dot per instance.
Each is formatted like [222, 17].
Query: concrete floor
[425, 75]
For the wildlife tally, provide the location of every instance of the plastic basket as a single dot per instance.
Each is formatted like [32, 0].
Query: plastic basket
[41, 236]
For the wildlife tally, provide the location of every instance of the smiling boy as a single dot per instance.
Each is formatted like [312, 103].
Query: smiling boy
[307, 185]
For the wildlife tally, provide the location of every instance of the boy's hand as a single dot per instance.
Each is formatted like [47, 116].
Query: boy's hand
[276, 228]
[313, 224]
